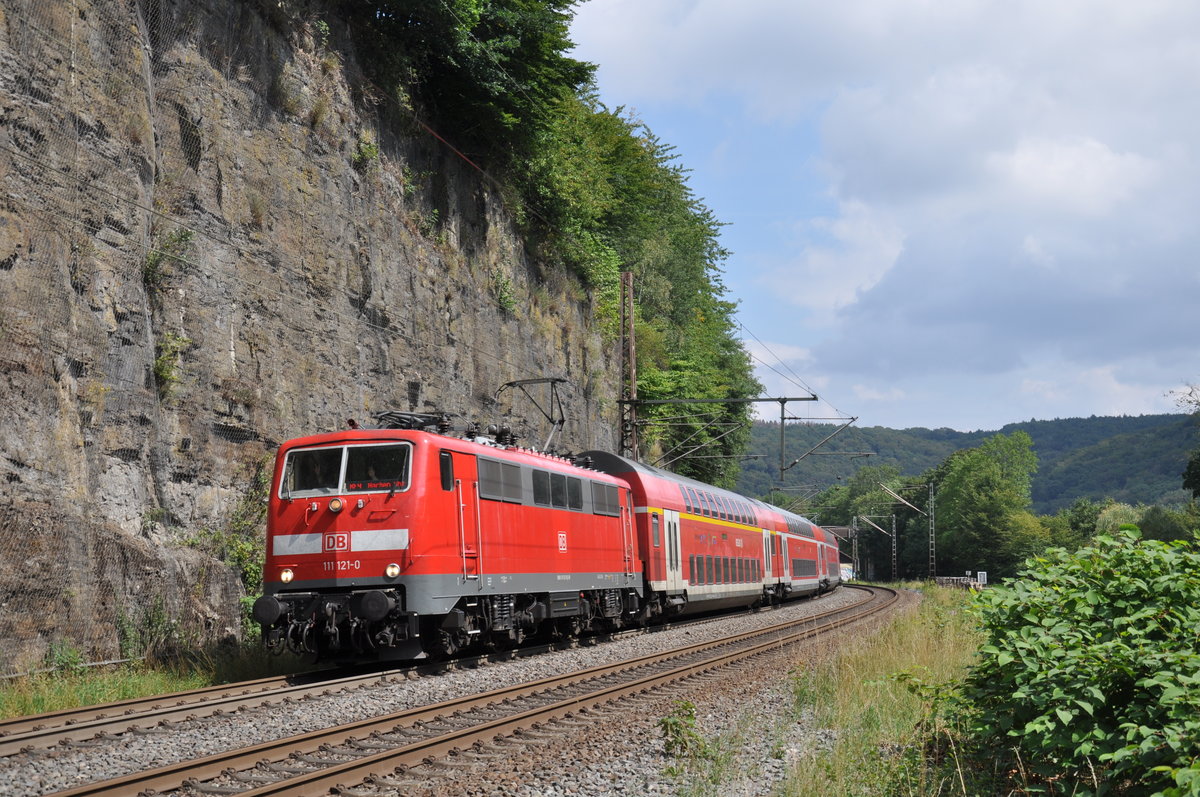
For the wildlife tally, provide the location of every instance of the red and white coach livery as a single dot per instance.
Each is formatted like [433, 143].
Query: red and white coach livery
[707, 548]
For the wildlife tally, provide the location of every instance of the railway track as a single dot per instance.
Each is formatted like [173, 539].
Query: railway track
[374, 748]
[81, 725]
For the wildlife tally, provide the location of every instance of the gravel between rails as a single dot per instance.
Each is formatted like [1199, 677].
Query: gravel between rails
[592, 764]
[622, 753]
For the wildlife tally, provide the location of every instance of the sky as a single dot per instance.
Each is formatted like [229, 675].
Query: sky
[955, 214]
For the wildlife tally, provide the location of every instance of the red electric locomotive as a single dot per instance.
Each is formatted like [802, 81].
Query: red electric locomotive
[393, 542]
[399, 542]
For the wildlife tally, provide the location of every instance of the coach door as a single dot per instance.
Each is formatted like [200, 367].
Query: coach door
[466, 494]
[674, 559]
[627, 532]
[767, 555]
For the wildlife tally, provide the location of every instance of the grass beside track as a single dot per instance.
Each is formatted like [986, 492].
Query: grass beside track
[69, 686]
[877, 701]
[861, 712]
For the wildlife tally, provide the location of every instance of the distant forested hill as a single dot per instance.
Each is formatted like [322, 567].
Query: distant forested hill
[1130, 459]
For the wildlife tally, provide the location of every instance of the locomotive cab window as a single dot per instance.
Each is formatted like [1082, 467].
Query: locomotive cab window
[377, 468]
[315, 471]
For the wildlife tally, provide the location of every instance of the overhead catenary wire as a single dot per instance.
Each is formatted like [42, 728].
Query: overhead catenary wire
[794, 379]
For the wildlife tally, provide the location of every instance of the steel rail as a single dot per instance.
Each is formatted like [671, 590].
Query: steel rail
[73, 725]
[188, 773]
[42, 731]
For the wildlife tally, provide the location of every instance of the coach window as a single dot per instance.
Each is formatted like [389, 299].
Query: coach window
[721, 513]
[574, 493]
[654, 529]
[725, 567]
[446, 465]
[708, 570]
[692, 569]
[687, 502]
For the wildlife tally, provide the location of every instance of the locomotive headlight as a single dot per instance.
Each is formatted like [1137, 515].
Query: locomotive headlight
[335, 505]
[392, 570]
[286, 575]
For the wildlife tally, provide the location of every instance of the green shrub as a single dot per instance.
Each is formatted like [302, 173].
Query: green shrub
[166, 362]
[366, 152]
[172, 246]
[1089, 679]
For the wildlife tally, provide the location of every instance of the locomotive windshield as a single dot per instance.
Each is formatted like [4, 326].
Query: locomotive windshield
[376, 468]
[312, 472]
[319, 471]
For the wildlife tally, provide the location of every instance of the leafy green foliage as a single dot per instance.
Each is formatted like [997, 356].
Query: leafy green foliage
[1191, 474]
[595, 191]
[366, 152]
[708, 759]
[487, 72]
[1090, 673]
[978, 501]
[166, 361]
[172, 246]
[241, 542]
[149, 632]
[63, 658]
[678, 728]
[1136, 460]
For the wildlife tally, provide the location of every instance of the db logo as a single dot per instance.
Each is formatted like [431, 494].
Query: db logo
[337, 542]
[562, 541]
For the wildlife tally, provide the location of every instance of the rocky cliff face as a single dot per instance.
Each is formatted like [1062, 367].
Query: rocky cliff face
[216, 236]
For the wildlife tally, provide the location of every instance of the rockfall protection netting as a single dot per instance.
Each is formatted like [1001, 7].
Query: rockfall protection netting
[200, 243]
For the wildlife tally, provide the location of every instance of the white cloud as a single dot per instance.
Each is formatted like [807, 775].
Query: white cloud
[776, 353]
[1035, 251]
[1082, 175]
[854, 251]
[999, 185]
[870, 393]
